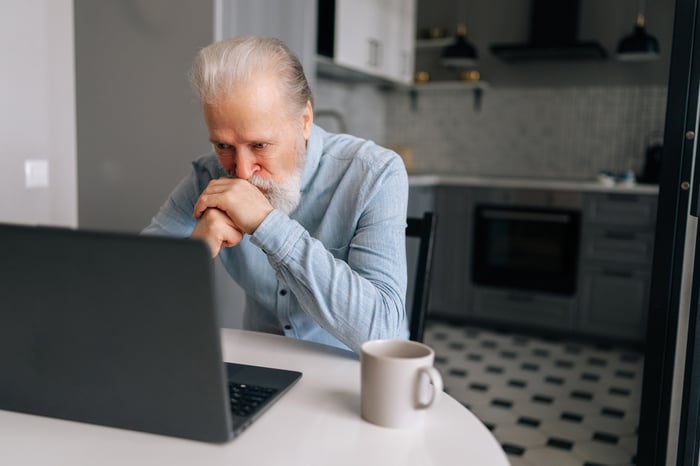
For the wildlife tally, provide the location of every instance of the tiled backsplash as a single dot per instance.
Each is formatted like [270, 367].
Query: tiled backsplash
[569, 133]
[362, 106]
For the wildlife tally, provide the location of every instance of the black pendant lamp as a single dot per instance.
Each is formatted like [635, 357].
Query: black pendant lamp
[460, 54]
[640, 45]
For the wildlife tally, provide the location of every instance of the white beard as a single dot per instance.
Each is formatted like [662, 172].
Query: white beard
[284, 195]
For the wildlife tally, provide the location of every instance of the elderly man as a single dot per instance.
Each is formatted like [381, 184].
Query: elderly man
[310, 224]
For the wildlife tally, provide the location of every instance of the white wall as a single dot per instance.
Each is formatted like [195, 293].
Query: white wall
[293, 21]
[139, 124]
[37, 111]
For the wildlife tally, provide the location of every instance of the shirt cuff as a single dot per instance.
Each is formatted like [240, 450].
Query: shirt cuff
[276, 234]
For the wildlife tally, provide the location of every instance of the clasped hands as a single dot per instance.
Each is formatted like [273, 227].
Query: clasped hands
[227, 209]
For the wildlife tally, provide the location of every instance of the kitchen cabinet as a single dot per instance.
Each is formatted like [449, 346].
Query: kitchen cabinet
[615, 264]
[614, 300]
[372, 37]
[400, 37]
[613, 274]
[620, 209]
[450, 291]
[521, 308]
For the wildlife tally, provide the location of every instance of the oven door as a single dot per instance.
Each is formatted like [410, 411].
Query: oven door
[526, 248]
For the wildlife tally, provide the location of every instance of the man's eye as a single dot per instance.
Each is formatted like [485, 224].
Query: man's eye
[222, 146]
[259, 145]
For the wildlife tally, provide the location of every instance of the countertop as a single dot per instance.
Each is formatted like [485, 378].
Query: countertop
[416, 180]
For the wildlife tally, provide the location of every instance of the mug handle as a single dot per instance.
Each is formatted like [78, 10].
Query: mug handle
[436, 381]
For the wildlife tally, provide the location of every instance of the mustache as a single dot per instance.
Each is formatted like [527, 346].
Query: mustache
[261, 183]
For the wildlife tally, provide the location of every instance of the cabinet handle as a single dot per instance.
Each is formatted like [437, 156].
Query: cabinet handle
[374, 52]
[617, 273]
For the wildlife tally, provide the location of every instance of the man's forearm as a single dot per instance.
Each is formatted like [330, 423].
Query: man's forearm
[357, 297]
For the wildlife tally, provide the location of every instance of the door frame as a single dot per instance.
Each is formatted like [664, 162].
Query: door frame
[671, 223]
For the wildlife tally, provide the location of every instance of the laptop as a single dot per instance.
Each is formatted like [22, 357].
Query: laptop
[121, 330]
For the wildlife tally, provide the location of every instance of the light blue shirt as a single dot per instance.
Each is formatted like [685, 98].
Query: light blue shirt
[334, 270]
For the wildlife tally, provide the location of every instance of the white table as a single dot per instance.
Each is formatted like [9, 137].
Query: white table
[316, 423]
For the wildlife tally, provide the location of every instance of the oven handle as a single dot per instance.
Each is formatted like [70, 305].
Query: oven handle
[527, 216]
[627, 236]
[617, 273]
[520, 298]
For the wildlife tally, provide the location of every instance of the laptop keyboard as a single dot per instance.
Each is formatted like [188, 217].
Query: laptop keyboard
[246, 399]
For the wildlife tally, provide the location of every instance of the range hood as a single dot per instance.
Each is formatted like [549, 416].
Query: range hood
[553, 35]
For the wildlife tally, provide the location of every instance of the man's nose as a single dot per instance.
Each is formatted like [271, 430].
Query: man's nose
[245, 165]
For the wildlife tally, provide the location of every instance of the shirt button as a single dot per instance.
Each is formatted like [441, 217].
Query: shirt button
[287, 327]
[283, 292]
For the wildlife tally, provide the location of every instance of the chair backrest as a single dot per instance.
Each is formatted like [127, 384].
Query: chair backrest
[424, 230]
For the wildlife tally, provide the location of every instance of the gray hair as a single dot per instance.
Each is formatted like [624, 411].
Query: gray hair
[219, 67]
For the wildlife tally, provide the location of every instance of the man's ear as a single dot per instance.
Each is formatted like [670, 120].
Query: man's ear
[308, 120]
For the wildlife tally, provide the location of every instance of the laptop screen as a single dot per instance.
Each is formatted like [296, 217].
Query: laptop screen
[114, 329]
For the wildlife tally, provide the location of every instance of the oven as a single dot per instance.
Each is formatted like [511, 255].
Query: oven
[530, 248]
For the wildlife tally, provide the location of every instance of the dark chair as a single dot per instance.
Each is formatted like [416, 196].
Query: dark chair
[424, 230]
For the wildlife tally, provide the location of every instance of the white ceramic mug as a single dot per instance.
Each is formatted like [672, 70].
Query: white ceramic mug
[399, 382]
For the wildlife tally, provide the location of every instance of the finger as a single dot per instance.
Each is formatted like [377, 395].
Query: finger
[216, 188]
[199, 208]
[220, 185]
[205, 202]
[214, 195]
[214, 248]
[233, 238]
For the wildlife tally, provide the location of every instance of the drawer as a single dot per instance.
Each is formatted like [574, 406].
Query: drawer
[617, 245]
[620, 209]
[614, 301]
[524, 308]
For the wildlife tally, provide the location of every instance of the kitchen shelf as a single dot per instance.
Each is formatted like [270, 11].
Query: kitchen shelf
[476, 87]
[444, 78]
[434, 43]
[451, 86]
[327, 68]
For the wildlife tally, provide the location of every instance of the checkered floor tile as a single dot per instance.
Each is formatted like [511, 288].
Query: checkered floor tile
[547, 402]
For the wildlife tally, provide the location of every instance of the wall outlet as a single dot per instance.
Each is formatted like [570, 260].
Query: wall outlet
[36, 173]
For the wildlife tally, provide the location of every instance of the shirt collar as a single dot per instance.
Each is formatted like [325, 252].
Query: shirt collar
[314, 149]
